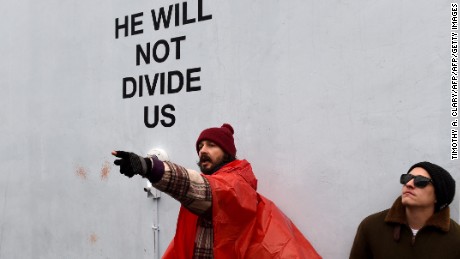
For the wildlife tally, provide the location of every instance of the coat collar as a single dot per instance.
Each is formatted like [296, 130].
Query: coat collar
[241, 167]
[397, 214]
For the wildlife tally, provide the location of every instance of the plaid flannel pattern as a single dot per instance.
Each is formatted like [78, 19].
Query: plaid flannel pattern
[193, 191]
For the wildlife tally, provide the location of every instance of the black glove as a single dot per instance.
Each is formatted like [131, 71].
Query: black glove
[132, 164]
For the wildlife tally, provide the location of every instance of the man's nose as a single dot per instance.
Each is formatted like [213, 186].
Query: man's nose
[410, 183]
[202, 150]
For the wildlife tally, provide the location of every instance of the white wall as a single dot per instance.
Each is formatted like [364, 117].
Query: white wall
[330, 100]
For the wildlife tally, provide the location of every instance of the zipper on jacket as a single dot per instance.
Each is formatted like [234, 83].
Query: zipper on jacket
[413, 240]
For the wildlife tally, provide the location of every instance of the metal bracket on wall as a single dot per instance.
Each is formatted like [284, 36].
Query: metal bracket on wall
[151, 191]
[156, 241]
[159, 153]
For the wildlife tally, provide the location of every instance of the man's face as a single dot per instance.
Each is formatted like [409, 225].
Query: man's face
[418, 197]
[211, 156]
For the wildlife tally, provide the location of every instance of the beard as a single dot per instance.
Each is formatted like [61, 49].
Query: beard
[215, 165]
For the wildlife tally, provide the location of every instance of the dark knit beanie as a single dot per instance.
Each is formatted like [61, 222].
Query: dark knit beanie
[444, 184]
[222, 136]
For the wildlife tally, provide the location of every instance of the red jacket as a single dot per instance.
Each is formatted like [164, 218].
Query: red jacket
[245, 224]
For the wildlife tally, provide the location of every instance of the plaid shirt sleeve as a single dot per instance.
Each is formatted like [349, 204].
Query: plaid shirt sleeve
[189, 187]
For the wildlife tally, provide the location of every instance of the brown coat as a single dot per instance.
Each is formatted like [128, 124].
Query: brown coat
[387, 235]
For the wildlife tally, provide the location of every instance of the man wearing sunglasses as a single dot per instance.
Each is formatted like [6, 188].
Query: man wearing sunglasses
[418, 225]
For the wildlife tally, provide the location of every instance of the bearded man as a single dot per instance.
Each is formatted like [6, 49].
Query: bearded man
[221, 214]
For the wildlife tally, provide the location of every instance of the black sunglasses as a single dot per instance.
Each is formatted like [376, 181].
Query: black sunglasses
[419, 181]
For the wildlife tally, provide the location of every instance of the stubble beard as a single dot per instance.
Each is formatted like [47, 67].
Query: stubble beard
[214, 165]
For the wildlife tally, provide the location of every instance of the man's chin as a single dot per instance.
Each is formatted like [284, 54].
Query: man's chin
[207, 169]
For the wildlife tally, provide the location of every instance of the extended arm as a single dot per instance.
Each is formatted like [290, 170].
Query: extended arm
[189, 187]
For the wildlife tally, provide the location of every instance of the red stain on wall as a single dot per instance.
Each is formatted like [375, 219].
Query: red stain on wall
[93, 238]
[105, 171]
[81, 172]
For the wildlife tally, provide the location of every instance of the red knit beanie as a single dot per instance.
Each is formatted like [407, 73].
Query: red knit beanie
[222, 136]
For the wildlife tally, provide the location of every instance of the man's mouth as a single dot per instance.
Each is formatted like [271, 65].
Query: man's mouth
[205, 163]
[204, 160]
[408, 193]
